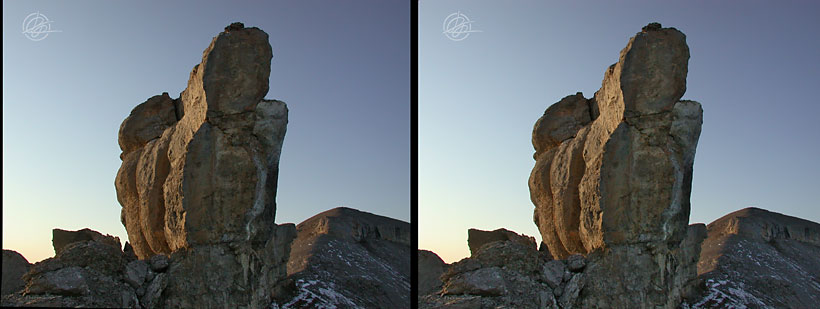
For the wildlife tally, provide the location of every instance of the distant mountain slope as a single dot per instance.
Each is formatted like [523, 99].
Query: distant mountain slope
[345, 258]
[753, 258]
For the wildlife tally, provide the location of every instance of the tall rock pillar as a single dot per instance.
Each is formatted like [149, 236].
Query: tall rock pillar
[613, 175]
[199, 176]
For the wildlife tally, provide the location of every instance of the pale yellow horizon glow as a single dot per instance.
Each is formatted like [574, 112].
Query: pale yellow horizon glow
[29, 217]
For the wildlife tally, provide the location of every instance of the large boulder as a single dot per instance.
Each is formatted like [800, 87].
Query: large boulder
[613, 175]
[14, 267]
[199, 175]
[484, 281]
[430, 269]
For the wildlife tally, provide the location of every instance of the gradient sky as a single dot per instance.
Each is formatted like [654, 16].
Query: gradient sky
[343, 67]
[753, 67]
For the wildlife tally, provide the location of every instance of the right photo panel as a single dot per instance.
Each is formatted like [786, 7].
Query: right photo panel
[618, 155]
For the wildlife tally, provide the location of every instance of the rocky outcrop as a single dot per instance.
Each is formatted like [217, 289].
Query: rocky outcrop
[89, 270]
[346, 258]
[430, 268]
[14, 267]
[477, 238]
[508, 274]
[62, 238]
[753, 258]
[613, 175]
[199, 175]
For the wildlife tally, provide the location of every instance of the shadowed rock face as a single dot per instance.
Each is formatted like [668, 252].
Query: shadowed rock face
[14, 267]
[430, 268]
[199, 175]
[755, 258]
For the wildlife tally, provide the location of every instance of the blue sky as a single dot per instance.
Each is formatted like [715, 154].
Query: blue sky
[753, 67]
[343, 67]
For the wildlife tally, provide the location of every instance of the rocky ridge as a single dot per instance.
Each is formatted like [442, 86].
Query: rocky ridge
[345, 258]
[753, 258]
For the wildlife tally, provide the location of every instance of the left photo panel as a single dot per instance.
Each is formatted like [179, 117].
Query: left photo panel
[199, 154]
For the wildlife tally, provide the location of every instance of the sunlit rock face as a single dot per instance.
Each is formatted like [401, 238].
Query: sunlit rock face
[199, 176]
[613, 175]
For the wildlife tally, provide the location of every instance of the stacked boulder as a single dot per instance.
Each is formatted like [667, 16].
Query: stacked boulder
[199, 175]
[613, 175]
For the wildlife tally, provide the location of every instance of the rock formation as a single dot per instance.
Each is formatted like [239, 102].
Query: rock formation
[14, 267]
[611, 186]
[346, 258]
[477, 238]
[89, 270]
[613, 175]
[199, 175]
[197, 186]
[753, 258]
[617, 168]
[62, 238]
[507, 273]
[430, 268]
